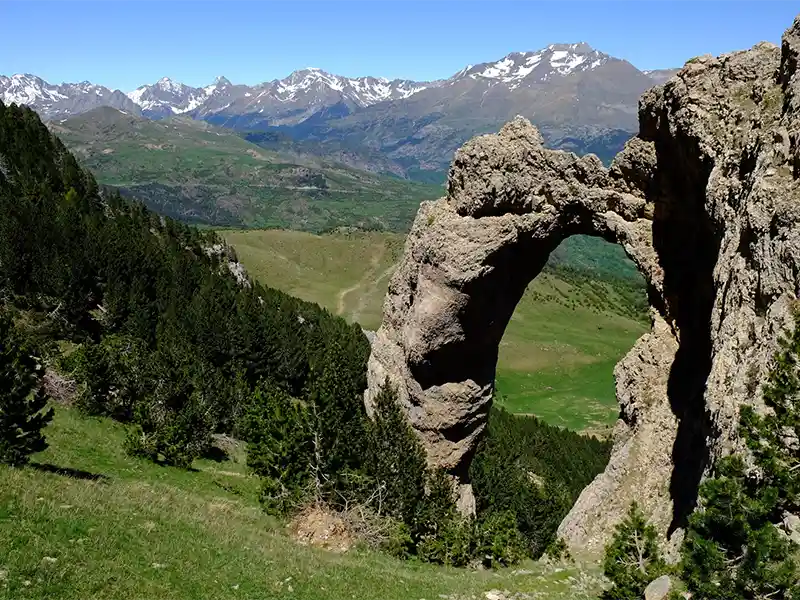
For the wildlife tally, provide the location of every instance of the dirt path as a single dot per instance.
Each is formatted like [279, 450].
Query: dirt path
[365, 278]
[362, 300]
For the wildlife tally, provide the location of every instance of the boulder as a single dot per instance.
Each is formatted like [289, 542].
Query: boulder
[658, 589]
[791, 527]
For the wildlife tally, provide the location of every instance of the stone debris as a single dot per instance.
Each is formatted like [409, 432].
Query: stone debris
[323, 528]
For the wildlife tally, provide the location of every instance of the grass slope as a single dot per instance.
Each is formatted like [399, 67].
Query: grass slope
[202, 174]
[558, 353]
[88, 522]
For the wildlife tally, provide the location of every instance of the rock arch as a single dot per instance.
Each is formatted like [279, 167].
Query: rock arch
[706, 202]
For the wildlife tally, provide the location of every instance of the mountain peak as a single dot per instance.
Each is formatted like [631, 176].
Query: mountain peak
[554, 60]
[165, 83]
[221, 80]
[577, 47]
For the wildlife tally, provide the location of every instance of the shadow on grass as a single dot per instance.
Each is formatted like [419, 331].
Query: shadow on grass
[215, 453]
[68, 472]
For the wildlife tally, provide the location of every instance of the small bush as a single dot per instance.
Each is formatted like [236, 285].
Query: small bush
[397, 540]
[558, 550]
[172, 435]
[458, 542]
[500, 542]
[174, 422]
[452, 544]
[115, 375]
[436, 509]
[22, 398]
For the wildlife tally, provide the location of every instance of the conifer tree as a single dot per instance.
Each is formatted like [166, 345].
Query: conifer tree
[734, 548]
[338, 424]
[22, 399]
[632, 558]
[397, 457]
[279, 447]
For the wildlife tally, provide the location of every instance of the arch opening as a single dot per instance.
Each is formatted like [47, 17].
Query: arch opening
[574, 322]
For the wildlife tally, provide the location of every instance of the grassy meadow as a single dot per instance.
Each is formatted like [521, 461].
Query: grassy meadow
[87, 522]
[559, 350]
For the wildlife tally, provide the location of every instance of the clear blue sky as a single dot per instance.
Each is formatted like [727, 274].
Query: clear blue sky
[125, 44]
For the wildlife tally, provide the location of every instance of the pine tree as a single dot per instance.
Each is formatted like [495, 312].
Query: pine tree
[22, 399]
[632, 558]
[732, 550]
[279, 447]
[338, 424]
[397, 457]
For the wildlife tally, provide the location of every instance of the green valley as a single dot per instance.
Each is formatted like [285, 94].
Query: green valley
[201, 174]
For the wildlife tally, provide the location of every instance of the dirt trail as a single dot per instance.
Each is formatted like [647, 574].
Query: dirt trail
[362, 300]
[366, 278]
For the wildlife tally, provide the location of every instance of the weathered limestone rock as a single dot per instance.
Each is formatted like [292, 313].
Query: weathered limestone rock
[658, 589]
[791, 527]
[705, 201]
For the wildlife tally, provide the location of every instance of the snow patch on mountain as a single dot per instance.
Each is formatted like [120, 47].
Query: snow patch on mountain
[28, 89]
[167, 96]
[301, 94]
[520, 68]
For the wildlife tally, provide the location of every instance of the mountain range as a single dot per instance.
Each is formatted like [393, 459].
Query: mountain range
[581, 99]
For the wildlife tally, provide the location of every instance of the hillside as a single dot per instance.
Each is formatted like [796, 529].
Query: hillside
[91, 523]
[198, 173]
[558, 354]
[142, 368]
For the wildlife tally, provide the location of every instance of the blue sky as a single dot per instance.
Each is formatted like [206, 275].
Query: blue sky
[125, 44]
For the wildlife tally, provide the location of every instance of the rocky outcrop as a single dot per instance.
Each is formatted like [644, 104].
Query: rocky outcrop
[705, 201]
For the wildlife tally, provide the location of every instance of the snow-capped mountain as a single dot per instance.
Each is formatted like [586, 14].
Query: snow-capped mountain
[57, 101]
[305, 92]
[166, 98]
[660, 75]
[524, 68]
[362, 91]
[311, 91]
[288, 100]
[581, 99]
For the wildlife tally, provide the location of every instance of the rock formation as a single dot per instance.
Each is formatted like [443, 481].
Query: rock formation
[705, 200]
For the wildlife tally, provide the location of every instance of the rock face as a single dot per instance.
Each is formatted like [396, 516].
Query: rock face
[705, 200]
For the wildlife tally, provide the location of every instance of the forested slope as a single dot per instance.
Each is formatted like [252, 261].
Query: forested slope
[96, 269]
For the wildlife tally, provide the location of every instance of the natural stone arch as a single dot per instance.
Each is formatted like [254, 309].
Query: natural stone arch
[705, 201]
[467, 262]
